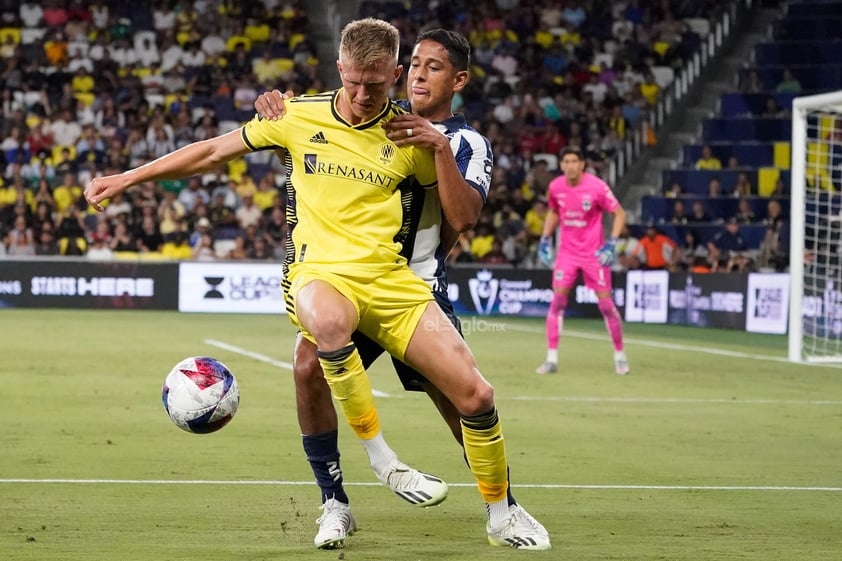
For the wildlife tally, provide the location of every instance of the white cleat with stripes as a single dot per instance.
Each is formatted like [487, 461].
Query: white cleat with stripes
[413, 486]
[335, 524]
[520, 531]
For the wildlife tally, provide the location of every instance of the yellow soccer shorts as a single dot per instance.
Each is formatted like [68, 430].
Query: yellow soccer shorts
[389, 303]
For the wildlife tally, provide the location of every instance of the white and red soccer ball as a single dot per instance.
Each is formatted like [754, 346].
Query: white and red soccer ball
[200, 395]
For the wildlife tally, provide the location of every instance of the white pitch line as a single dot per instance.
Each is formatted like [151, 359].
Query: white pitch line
[248, 353]
[672, 400]
[572, 399]
[367, 484]
[671, 346]
[266, 359]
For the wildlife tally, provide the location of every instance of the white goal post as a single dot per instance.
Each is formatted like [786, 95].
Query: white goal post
[815, 313]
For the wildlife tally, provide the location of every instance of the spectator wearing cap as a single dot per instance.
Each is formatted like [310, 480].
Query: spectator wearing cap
[726, 242]
[249, 214]
[203, 227]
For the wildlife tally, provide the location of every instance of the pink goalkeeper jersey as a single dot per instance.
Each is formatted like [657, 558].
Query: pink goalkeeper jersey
[580, 210]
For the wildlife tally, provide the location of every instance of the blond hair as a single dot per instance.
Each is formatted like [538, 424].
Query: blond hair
[366, 41]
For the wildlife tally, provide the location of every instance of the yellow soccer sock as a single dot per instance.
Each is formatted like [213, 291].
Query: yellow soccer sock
[350, 386]
[485, 449]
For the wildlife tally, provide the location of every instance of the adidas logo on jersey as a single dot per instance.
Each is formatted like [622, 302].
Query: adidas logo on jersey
[319, 138]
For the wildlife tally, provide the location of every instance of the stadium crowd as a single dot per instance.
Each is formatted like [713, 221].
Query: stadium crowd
[94, 88]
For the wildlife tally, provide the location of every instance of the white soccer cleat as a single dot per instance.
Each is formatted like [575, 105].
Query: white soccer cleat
[519, 513]
[413, 486]
[520, 531]
[621, 363]
[547, 368]
[335, 524]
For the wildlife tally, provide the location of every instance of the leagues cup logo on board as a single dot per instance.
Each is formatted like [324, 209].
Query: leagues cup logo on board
[484, 291]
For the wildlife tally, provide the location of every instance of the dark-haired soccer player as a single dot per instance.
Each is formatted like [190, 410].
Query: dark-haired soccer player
[438, 69]
[577, 201]
[348, 218]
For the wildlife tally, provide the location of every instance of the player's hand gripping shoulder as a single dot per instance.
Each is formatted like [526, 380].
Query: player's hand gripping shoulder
[607, 253]
[545, 251]
[270, 105]
[409, 129]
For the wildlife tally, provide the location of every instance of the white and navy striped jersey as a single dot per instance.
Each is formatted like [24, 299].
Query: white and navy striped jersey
[474, 159]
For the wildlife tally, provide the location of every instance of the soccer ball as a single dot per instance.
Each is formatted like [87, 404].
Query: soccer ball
[200, 395]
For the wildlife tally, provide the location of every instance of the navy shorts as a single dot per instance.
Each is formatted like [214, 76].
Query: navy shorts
[411, 379]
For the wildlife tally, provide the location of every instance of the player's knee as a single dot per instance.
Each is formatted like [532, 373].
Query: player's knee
[605, 305]
[559, 301]
[479, 398]
[332, 329]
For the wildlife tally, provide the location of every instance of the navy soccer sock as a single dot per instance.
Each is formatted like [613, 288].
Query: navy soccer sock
[323, 454]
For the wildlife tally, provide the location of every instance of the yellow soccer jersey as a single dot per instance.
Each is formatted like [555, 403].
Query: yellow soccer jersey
[349, 186]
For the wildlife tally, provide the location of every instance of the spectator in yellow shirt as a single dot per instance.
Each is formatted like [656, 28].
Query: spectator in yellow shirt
[534, 219]
[650, 89]
[708, 160]
[178, 248]
[482, 241]
[266, 193]
[67, 193]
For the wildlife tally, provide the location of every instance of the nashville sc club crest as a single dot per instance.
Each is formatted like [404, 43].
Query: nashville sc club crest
[387, 152]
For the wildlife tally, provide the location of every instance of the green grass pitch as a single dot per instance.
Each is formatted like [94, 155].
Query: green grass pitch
[713, 448]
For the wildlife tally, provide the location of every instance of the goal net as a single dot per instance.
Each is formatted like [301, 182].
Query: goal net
[815, 320]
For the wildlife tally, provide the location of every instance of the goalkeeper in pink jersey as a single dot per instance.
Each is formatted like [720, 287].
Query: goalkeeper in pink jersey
[576, 203]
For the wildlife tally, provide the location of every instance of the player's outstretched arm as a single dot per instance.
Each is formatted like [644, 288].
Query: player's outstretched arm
[192, 159]
[460, 202]
[270, 105]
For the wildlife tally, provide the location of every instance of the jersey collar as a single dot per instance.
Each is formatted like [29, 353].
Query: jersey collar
[361, 126]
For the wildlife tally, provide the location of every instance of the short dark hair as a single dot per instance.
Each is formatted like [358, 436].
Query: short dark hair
[457, 47]
[574, 150]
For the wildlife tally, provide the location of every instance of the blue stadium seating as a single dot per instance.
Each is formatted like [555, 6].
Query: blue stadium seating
[808, 9]
[754, 154]
[746, 129]
[825, 27]
[742, 104]
[657, 209]
[695, 182]
[813, 77]
[795, 52]
[752, 234]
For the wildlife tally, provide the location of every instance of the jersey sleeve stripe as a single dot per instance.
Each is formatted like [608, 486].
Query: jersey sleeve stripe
[246, 140]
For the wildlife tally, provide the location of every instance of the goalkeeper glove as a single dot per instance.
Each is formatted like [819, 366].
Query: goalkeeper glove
[606, 253]
[545, 251]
